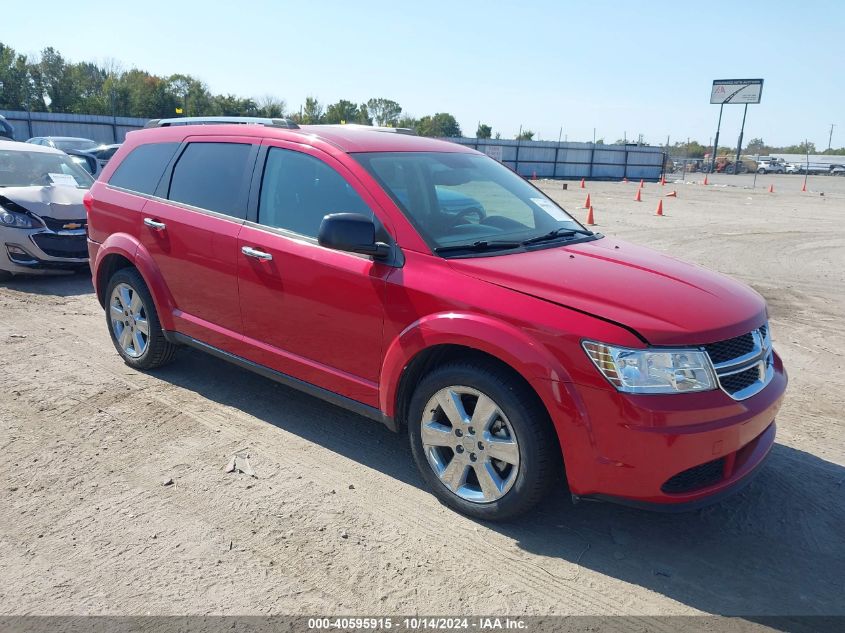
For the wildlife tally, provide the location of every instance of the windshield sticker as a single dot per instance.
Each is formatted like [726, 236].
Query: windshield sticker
[63, 179]
[551, 209]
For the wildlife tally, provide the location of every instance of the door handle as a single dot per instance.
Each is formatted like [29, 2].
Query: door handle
[156, 226]
[251, 252]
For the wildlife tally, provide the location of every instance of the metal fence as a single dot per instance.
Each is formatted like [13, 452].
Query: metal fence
[103, 129]
[550, 159]
[543, 159]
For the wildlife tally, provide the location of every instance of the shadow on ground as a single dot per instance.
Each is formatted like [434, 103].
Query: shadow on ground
[776, 548]
[70, 285]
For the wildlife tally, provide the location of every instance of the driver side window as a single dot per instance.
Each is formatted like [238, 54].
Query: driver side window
[298, 190]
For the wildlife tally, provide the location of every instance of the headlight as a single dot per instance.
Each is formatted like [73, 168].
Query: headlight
[18, 220]
[652, 370]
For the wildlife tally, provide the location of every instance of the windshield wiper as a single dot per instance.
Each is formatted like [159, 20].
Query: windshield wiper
[553, 235]
[481, 245]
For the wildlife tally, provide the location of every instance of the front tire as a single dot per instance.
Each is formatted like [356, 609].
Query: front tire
[482, 441]
[133, 322]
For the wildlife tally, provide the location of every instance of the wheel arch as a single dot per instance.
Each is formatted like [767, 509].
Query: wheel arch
[121, 250]
[440, 338]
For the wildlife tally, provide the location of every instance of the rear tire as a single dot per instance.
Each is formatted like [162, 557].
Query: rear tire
[133, 322]
[5, 275]
[490, 463]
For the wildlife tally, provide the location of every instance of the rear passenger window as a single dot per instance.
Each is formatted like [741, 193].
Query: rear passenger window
[297, 190]
[141, 170]
[213, 176]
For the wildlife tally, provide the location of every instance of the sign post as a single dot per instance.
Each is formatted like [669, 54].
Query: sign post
[742, 91]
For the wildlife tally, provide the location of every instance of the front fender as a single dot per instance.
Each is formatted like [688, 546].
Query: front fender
[511, 345]
[506, 342]
[127, 246]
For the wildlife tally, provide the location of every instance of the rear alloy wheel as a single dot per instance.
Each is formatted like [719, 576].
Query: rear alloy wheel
[482, 440]
[133, 322]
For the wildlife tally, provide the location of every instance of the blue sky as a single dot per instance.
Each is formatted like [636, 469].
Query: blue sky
[620, 67]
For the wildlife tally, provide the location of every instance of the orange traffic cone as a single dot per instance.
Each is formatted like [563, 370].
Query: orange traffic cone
[659, 207]
[587, 202]
[804, 186]
[705, 179]
[638, 197]
[591, 221]
[625, 179]
[642, 183]
[663, 181]
[582, 183]
[672, 194]
[771, 188]
[534, 175]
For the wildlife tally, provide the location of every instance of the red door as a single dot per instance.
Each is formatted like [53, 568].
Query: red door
[310, 312]
[193, 237]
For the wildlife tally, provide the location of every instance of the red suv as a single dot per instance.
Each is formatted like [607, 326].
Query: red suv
[422, 284]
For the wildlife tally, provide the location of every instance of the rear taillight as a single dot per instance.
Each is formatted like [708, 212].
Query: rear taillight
[88, 201]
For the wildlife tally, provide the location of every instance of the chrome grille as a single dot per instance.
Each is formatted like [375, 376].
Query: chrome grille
[745, 364]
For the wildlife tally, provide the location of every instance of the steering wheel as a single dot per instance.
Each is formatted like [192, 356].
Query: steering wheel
[471, 215]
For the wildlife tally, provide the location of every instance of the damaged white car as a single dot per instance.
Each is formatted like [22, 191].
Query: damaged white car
[42, 218]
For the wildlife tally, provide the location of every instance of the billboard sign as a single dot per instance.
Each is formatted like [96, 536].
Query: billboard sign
[736, 91]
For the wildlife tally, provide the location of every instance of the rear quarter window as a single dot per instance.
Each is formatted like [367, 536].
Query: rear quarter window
[141, 170]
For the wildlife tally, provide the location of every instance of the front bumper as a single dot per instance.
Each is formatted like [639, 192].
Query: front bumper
[673, 452]
[40, 251]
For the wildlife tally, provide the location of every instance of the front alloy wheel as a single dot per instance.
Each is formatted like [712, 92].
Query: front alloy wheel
[482, 439]
[470, 444]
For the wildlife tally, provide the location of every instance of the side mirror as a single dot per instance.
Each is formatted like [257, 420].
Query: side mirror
[351, 232]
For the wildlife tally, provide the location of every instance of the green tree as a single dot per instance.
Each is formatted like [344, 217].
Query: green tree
[60, 92]
[441, 124]
[363, 117]
[483, 131]
[271, 107]
[407, 121]
[312, 111]
[801, 148]
[384, 112]
[756, 146]
[525, 135]
[342, 112]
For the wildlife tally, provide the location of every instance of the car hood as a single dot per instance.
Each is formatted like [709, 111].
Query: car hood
[55, 201]
[665, 300]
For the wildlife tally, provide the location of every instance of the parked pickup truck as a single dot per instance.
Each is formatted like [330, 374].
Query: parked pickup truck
[770, 165]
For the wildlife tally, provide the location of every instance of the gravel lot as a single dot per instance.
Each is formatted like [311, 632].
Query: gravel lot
[336, 521]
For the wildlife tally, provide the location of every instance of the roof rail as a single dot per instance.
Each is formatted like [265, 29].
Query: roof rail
[372, 128]
[222, 120]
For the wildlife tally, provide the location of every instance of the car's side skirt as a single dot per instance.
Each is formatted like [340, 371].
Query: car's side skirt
[313, 390]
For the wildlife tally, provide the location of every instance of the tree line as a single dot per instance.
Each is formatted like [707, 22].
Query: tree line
[50, 83]
[755, 146]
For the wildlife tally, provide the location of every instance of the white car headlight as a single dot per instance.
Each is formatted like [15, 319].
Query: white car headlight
[17, 220]
[652, 370]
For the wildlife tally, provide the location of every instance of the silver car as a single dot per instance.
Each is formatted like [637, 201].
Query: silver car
[42, 218]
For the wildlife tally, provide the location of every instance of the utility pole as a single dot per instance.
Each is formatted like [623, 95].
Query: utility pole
[830, 137]
[716, 143]
[739, 141]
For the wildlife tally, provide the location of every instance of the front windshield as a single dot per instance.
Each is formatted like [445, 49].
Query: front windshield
[30, 169]
[457, 199]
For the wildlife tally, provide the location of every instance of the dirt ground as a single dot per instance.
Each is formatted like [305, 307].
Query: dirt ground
[336, 521]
